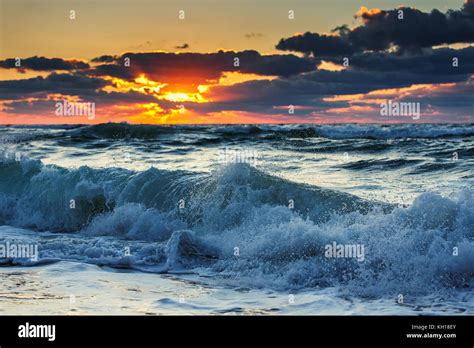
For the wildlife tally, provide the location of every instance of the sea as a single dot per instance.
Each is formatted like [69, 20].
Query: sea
[301, 219]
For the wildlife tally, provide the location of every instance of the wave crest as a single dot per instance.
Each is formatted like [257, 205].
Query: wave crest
[236, 222]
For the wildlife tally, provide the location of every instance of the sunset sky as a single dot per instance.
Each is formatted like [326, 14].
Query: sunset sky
[239, 61]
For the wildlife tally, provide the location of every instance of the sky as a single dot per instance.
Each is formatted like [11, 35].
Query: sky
[239, 61]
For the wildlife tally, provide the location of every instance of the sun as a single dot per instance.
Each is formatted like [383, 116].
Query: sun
[178, 97]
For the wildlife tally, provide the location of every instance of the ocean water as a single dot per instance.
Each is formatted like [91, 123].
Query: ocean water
[237, 219]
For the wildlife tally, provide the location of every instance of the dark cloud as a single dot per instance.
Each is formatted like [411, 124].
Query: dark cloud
[104, 59]
[100, 98]
[44, 64]
[456, 97]
[68, 84]
[416, 30]
[308, 90]
[34, 95]
[39, 89]
[317, 45]
[114, 70]
[383, 30]
[201, 67]
[182, 47]
[432, 61]
[329, 83]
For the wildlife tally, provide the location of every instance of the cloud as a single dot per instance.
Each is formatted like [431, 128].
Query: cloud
[415, 30]
[101, 98]
[449, 102]
[68, 84]
[317, 45]
[104, 59]
[200, 68]
[37, 96]
[182, 47]
[406, 29]
[308, 91]
[43, 64]
[320, 83]
[457, 96]
[253, 35]
[431, 61]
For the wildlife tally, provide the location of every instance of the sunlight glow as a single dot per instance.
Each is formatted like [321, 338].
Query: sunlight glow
[185, 97]
[141, 85]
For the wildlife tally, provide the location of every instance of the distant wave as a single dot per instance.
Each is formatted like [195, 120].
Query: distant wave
[395, 131]
[382, 164]
[347, 131]
[408, 250]
[350, 131]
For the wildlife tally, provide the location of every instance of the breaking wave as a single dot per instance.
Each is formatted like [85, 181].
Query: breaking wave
[240, 224]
